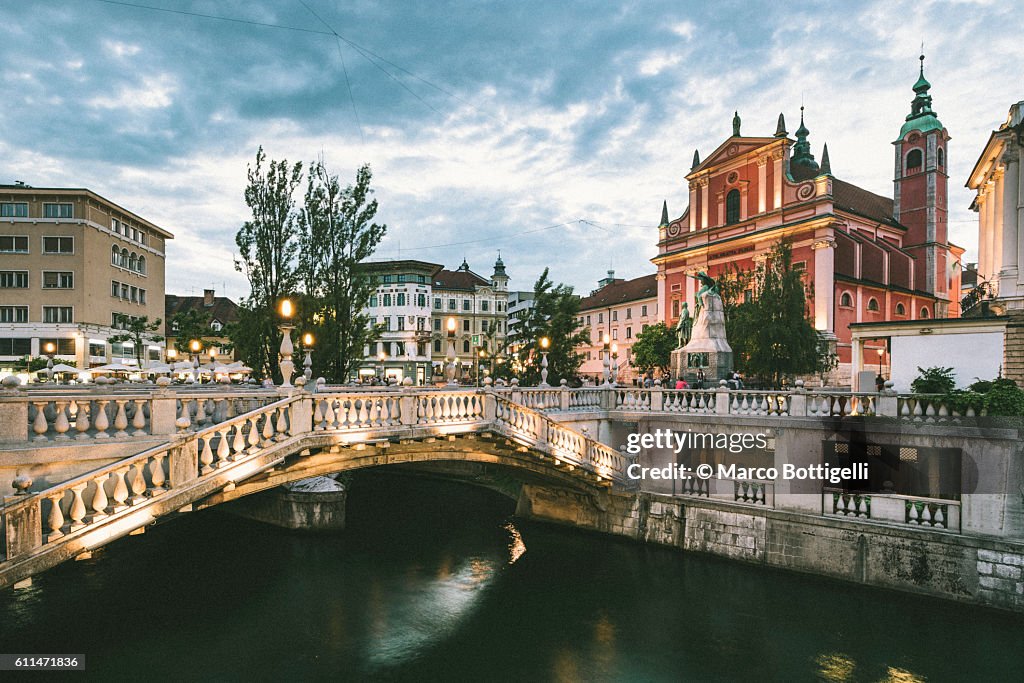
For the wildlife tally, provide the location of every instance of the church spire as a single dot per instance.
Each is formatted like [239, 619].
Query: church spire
[802, 156]
[696, 160]
[826, 167]
[780, 130]
[921, 116]
[664, 213]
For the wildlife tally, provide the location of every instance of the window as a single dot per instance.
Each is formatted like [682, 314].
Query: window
[872, 304]
[401, 323]
[465, 346]
[940, 157]
[115, 256]
[846, 300]
[900, 309]
[13, 314]
[400, 299]
[643, 311]
[437, 324]
[13, 244]
[58, 210]
[215, 325]
[629, 314]
[924, 312]
[437, 346]
[465, 326]
[497, 326]
[124, 291]
[437, 303]
[154, 354]
[115, 226]
[13, 279]
[732, 207]
[57, 314]
[588, 321]
[133, 262]
[14, 210]
[15, 346]
[142, 264]
[914, 160]
[373, 301]
[62, 347]
[451, 304]
[421, 300]
[115, 288]
[422, 279]
[675, 308]
[123, 262]
[58, 245]
[484, 306]
[53, 279]
[615, 316]
[399, 348]
[465, 305]
[401, 278]
[388, 279]
[387, 323]
[600, 318]
[615, 333]
[629, 333]
[97, 348]
[387, 299]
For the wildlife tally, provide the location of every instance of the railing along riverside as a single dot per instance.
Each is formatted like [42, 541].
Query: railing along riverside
[88, 416]
[756, 402]
[892, 508]
[356, 410]
[632, 399]
[202, 410]
[536, 429]
[584, 399]
[66, 511]
[832, 404]
[693, 401]
[541, 399]
[930, 408]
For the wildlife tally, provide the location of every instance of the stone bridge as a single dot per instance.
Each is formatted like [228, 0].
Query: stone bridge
[214, 457]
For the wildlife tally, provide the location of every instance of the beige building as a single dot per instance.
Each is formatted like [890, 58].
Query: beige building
[480, 309]
[622, 309]
[73, 267]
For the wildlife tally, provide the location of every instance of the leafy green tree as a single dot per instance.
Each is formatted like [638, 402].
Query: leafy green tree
[934, 380]
[772, 335]
[653, 347]
[188, 325]
[336, 234]
[140, 332]
[554, 315]
[267, 249]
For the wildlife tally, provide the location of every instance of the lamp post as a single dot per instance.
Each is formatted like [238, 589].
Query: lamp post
[450, 367]
[881, 354]
[544, 344]
[606, 362]
[307, 363]
[286, 309]
[381, 357]
[50, 347]
[615, 363]
[196, 347]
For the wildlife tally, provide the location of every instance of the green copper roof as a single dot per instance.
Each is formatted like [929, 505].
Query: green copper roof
[921, 117]
[922, 124]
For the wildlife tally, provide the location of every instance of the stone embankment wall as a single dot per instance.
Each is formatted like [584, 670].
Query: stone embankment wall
[963, 568]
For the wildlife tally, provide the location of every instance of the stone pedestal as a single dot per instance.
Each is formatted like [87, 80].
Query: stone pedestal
[716, 365]
[707, 348]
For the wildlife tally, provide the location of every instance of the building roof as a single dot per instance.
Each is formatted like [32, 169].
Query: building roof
[622, 291]
[849, 197]
[223, 309]
[410, 265]
[461, 279]
[85, 192]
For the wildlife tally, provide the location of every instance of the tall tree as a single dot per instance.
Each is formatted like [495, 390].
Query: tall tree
[138, 331]
[554, 315]
[653, 347]
[772, 335]
[336, 234]
[267, 246]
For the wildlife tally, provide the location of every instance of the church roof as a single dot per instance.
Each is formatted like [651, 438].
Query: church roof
[848, 197]
[622, 291]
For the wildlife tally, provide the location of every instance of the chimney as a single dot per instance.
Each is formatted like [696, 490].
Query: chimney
[207, 298]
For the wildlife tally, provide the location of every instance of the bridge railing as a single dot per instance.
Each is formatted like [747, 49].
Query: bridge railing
[892, 508]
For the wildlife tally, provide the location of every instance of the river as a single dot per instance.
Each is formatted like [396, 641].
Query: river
[435, 581]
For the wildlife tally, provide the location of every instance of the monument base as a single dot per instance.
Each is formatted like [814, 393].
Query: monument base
[717, 365]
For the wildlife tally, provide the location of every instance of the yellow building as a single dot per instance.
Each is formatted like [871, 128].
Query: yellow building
[73, 267]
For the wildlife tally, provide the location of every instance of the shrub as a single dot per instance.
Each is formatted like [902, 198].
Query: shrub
[934, 380]
[981, 386]
[960, 401]
[1004, 399]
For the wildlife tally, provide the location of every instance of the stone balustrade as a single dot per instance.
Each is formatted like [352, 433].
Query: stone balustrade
[891, 508]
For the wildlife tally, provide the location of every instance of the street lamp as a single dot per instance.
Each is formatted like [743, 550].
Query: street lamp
[606, 342]
[307, 363]
[287, 310]
[481, 355]
[450, 368]
[615, 363]
[196, 347]
[544, 344]
[382, 356]
[881, 354]
[49, 347]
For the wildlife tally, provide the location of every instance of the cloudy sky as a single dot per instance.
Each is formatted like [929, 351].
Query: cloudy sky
[486, 123]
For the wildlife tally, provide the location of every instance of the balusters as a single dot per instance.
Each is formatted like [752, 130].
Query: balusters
[99, 500]
[39, 425]
[82, 419]
[120, 493]
[223, 449]
[120, 419]
[76, 511]
[102, 421]
[139, 419]
[254, 434]
[268, 426]
[138, 485]
[206, 457]
[156, 474]
[60, 422]
[55, 520]
[318, 415]
[282, 424]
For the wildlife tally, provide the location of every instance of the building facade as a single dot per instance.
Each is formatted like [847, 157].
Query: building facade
[519, 305]
[400, 307]
[622, 309]
[219, 311]
[74, 267]
[868, 258]
[479, 307]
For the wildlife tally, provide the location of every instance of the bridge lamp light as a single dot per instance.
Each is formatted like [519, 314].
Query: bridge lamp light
[544, 344]
[50, 347]
[286, 308]
[881, 355]
[451, 327]
[307, 340]
[195, 346]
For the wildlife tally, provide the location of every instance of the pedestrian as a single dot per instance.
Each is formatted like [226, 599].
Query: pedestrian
[879, 383]
[681, 383]
[700, 378]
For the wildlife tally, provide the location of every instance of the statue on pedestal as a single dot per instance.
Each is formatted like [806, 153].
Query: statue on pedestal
[706, 348]
[684, 326]
[707, 284]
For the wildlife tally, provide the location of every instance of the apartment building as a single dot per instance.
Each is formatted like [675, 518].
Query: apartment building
[74, 268]
[218, 311]
[622, 309]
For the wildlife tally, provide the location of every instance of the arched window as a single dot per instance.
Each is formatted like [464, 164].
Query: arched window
[124, 259]
[465, 346]
[732, 207]
[872, 304]
[115, 255]
[133, 262]
[924, 312]
[941, 157]
[846, 300]
[914, 161]
[901, 309]
[142, 264]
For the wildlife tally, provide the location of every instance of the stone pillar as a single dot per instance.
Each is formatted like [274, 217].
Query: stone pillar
[300, 416]
[703, 202]
[407, 407]
[762, 184]
[857, 364]
[997, 224]
[1008, 276]
[163, 411]
[722, 400]
[987, 230]
[13, 417]
[693, 207]
[777, 175]
[824, 285]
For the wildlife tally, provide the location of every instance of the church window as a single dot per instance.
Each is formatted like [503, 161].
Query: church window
[872, 304]
[732, 207]
[914, 160]
[924, 312]
[901, 309]
[941, 156]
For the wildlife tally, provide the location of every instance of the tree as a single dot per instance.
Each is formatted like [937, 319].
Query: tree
[653, 348]
[267, 245]
[772, 335]
[138, 331]
[336, 234]
[188, 325]
[554, 315]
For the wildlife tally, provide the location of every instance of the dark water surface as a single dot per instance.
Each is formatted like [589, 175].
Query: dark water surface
[436, 582]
